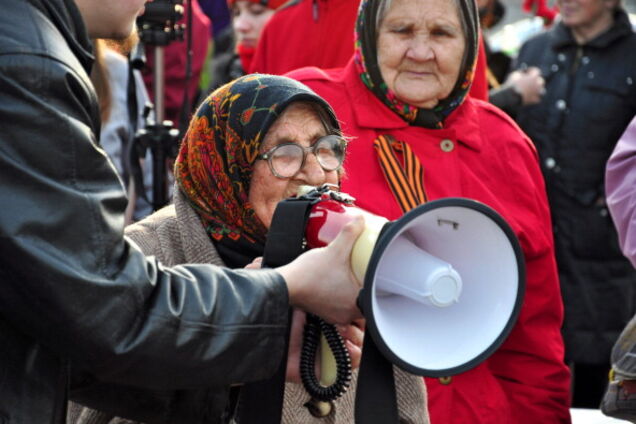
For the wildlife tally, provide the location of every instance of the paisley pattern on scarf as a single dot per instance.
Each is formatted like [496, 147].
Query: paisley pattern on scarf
[366, 61]
[216, 158]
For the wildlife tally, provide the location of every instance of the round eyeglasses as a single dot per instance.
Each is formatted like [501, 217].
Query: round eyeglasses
[287, 159]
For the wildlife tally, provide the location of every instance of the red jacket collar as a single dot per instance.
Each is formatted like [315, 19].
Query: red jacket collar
[462, 124]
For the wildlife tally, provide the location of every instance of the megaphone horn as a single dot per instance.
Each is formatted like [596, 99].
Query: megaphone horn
[443, 285]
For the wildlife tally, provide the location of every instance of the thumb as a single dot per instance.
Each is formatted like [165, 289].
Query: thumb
[343, 243]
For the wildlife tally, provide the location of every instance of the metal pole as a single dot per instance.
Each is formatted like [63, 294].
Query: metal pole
[159, 84]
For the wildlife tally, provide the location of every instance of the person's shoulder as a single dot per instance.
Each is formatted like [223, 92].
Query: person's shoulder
[156, 233]
[537, 44]
[539, 38]
[631, 38]
[27, 31]
[284, 13]
[327, 83]
[289, 6]
[162, 218]
[313, 73]
[496, 125]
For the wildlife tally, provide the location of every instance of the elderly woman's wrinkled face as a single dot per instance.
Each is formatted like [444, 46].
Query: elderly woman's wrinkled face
[301, 124]
[248, 21]
[420, 49]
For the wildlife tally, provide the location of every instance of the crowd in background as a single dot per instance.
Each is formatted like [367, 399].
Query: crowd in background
[568, 93]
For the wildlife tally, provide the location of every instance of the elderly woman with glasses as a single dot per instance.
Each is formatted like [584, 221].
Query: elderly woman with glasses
[252, 143]
[416, 136]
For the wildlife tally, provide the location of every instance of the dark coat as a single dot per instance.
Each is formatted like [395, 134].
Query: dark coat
[75, 295]
[590, 98]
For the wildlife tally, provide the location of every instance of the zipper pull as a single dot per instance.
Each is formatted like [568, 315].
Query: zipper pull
[315, 10]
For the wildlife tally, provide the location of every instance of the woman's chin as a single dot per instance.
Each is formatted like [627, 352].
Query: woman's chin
[415, 94]
[423, 102]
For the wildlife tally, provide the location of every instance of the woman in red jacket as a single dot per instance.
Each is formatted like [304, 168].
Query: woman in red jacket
[402, 100]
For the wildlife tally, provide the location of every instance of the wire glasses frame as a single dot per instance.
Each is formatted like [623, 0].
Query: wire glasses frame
[287, 159]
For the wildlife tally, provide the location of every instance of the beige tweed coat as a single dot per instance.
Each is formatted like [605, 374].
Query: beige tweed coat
[175, 236]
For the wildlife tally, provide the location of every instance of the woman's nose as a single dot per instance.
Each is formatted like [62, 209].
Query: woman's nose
[242, 24]
[311, 172]
[420, 49]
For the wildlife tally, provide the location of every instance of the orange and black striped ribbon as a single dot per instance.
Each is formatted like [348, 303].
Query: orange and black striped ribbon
[405, 180]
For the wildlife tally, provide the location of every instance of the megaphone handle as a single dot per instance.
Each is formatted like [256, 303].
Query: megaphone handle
[311, 341]
[376, 398]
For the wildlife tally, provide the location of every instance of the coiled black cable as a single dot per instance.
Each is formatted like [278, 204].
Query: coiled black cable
[311, 340]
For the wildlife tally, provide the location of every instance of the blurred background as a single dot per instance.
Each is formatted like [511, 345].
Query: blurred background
[517, 25]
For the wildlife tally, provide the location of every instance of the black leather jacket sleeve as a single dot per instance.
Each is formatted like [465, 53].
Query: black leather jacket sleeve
[73, 282]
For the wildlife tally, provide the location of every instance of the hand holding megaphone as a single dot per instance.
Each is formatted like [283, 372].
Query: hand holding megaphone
[315, 279]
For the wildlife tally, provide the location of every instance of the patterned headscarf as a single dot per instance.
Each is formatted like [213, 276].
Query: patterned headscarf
[366, 60]
[216, 159]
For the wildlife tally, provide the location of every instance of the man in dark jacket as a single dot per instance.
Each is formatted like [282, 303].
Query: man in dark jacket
[75, 295]
[588, 61]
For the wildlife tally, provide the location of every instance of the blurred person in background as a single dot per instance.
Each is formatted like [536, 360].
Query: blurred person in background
[111, 75]
[307, 33]
[588, 63]
[508, 91]
[248, 20]
[416, 135]
[219, 15]
[620, 187]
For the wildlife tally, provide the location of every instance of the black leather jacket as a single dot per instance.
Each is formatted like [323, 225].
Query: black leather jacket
[74, 293]
[590, 98]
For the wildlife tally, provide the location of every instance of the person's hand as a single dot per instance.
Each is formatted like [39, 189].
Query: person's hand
[321, 282]
[292, 373]
[528, 83]
[353, 335]
[257, 263]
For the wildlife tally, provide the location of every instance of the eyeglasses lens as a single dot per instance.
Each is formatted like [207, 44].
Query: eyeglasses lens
[287, 159]
[330, 152]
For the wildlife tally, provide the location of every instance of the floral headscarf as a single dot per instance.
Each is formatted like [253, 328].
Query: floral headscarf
[216, 159]
[366, 60]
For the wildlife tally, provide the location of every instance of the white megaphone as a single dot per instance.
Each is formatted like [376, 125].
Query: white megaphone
[443, 285]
